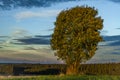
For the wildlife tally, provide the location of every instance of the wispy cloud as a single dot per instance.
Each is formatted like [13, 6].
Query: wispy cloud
[16, 34]
[118, 28]
[38, 39]
[4, 36]
[31, 14]
[104, 32]
[116, 1]
[52, 29]
[19, 32]
[11, 4]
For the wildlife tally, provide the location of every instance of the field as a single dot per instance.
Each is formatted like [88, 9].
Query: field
[80, 77]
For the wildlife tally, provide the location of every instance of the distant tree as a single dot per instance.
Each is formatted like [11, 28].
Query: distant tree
[76, 36]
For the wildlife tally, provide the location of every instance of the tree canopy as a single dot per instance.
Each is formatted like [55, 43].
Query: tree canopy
[76, 35]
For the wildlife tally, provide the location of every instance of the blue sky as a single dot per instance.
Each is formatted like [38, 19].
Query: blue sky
[40, 20]
[26, 27]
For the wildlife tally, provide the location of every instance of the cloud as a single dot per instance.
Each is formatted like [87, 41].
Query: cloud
[11, 4]
[4, 36]
[3, 39]
[45, 36]
[111, 38]
[30, 14]
[19, 32]
[52, 29]
[16, 34]
[115, 43]
[117, 28]
[116, 1]
[38, 39]
[104, 32]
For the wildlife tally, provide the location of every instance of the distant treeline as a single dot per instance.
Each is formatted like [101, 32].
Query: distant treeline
[54, 69]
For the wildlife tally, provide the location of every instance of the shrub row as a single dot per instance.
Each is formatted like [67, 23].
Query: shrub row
[54, 69]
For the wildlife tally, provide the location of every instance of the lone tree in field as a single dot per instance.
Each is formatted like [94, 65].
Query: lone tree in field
[76, 36]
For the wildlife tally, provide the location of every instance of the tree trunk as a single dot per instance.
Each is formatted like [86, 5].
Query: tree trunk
[73, 69]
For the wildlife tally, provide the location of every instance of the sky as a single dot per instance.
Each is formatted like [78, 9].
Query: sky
[30, 23]
[40, 20]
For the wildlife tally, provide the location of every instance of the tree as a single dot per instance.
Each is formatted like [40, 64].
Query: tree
[76, 36]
